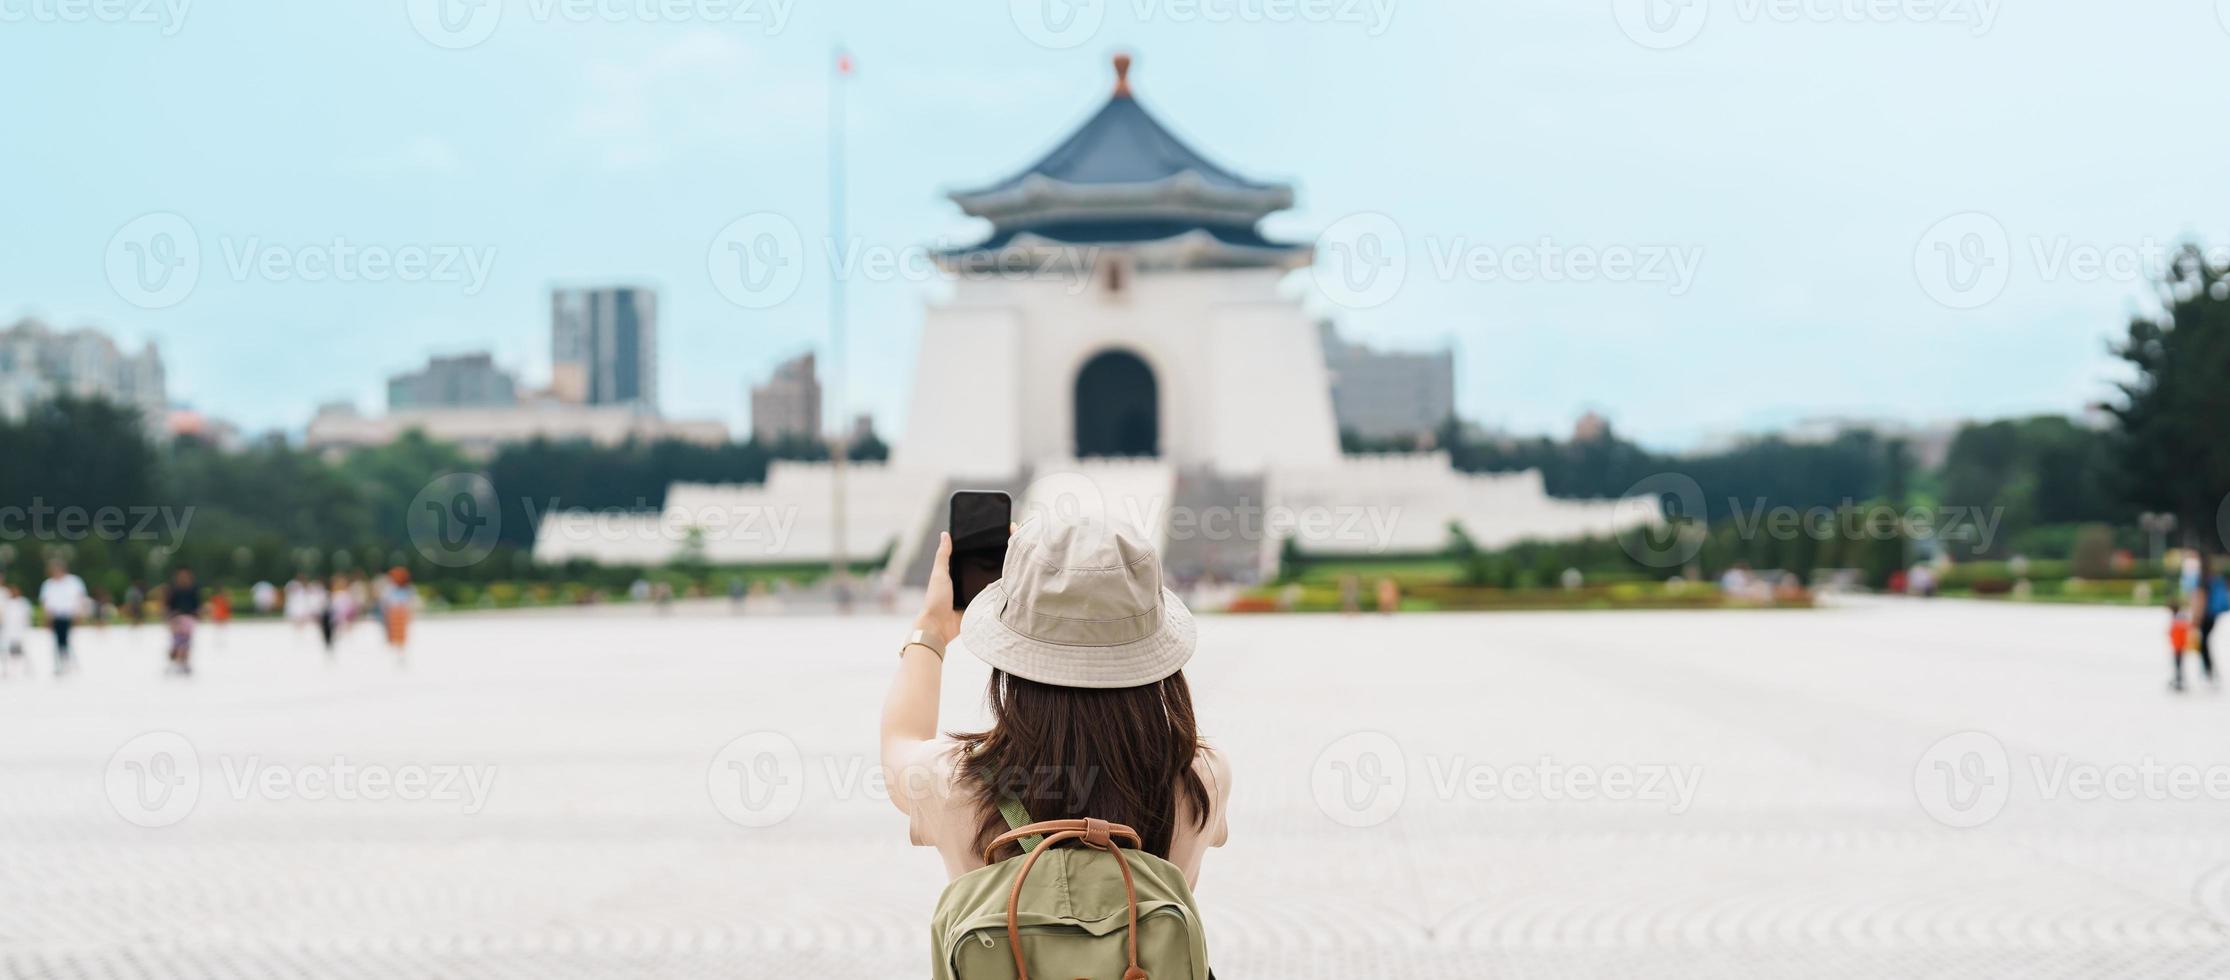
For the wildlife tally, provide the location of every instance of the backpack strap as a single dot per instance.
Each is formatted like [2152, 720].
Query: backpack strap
[1030, 835]
[1097, 834]
[1017, 817]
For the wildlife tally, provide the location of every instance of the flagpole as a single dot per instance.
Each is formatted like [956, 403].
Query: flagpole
[840, 66]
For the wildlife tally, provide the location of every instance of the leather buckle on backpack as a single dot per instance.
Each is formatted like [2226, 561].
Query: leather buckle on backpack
[1097, 834]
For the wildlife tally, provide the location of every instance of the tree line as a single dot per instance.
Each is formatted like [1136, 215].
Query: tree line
[2162, 448]
[82, 479]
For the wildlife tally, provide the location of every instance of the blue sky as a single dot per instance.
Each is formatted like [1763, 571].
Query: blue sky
[1805, 157]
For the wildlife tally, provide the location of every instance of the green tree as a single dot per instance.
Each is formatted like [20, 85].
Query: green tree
[76, 452]
[1466, 554]
[389, 477]
[2175, 411]
[2031, 472]
[867, 448]
[270, 489]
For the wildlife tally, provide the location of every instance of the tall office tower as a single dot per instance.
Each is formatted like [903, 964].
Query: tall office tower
[604, 346]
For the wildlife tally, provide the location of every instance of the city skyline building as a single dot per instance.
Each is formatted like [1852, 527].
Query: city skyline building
[1388, 395]
[39, 363]
[481, 431]
[788, 405]
[456, 381]
[604, 346]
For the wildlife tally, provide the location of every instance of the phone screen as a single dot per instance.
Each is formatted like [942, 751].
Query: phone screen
[979, 541]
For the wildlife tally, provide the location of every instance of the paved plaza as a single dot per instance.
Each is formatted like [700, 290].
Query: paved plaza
[1883, 788]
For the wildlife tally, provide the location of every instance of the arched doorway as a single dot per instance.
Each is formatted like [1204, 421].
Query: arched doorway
[1117, 408]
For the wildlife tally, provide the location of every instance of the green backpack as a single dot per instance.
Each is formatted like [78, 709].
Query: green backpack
[1104, 911]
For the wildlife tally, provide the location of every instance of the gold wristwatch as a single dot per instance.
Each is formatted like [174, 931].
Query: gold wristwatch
[925, 639]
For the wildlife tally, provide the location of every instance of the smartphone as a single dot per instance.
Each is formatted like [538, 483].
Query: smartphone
[980, 519]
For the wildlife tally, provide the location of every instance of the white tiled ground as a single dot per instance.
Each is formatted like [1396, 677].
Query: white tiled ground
[600, 850]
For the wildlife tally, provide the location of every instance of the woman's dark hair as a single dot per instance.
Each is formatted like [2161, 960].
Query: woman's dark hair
[1120, 754]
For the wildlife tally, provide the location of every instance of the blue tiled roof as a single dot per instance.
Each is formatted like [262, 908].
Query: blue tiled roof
[1123, 180]
[1125, 232]
[1123, 144]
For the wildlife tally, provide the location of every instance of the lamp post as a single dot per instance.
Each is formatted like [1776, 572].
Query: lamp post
[841, 68]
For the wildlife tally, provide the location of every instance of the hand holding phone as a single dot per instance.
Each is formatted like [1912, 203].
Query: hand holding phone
[980, 523]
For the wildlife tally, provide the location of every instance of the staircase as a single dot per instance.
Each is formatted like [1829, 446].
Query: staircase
[1216, 528]
[1230, 546]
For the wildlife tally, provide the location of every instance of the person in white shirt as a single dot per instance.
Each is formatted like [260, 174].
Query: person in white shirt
[297, 607]
[64, 598]
[15, 629]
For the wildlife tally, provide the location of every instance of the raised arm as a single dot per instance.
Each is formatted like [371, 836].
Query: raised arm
[910, 710]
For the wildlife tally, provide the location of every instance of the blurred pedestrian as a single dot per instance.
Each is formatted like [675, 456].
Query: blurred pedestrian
[360, 597]
[220, 606]
[1389, 596]
[397, 602]
[2212, 599]
[135, 604]
[264, 596]
[182, 605]
[337, 611]
[2182, 639]
[64, 600]
[15, 630]
[1922, 581]
[103, 610]
[297, 607]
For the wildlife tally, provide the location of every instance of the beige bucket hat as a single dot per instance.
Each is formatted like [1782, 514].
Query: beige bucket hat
[1080, 604]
